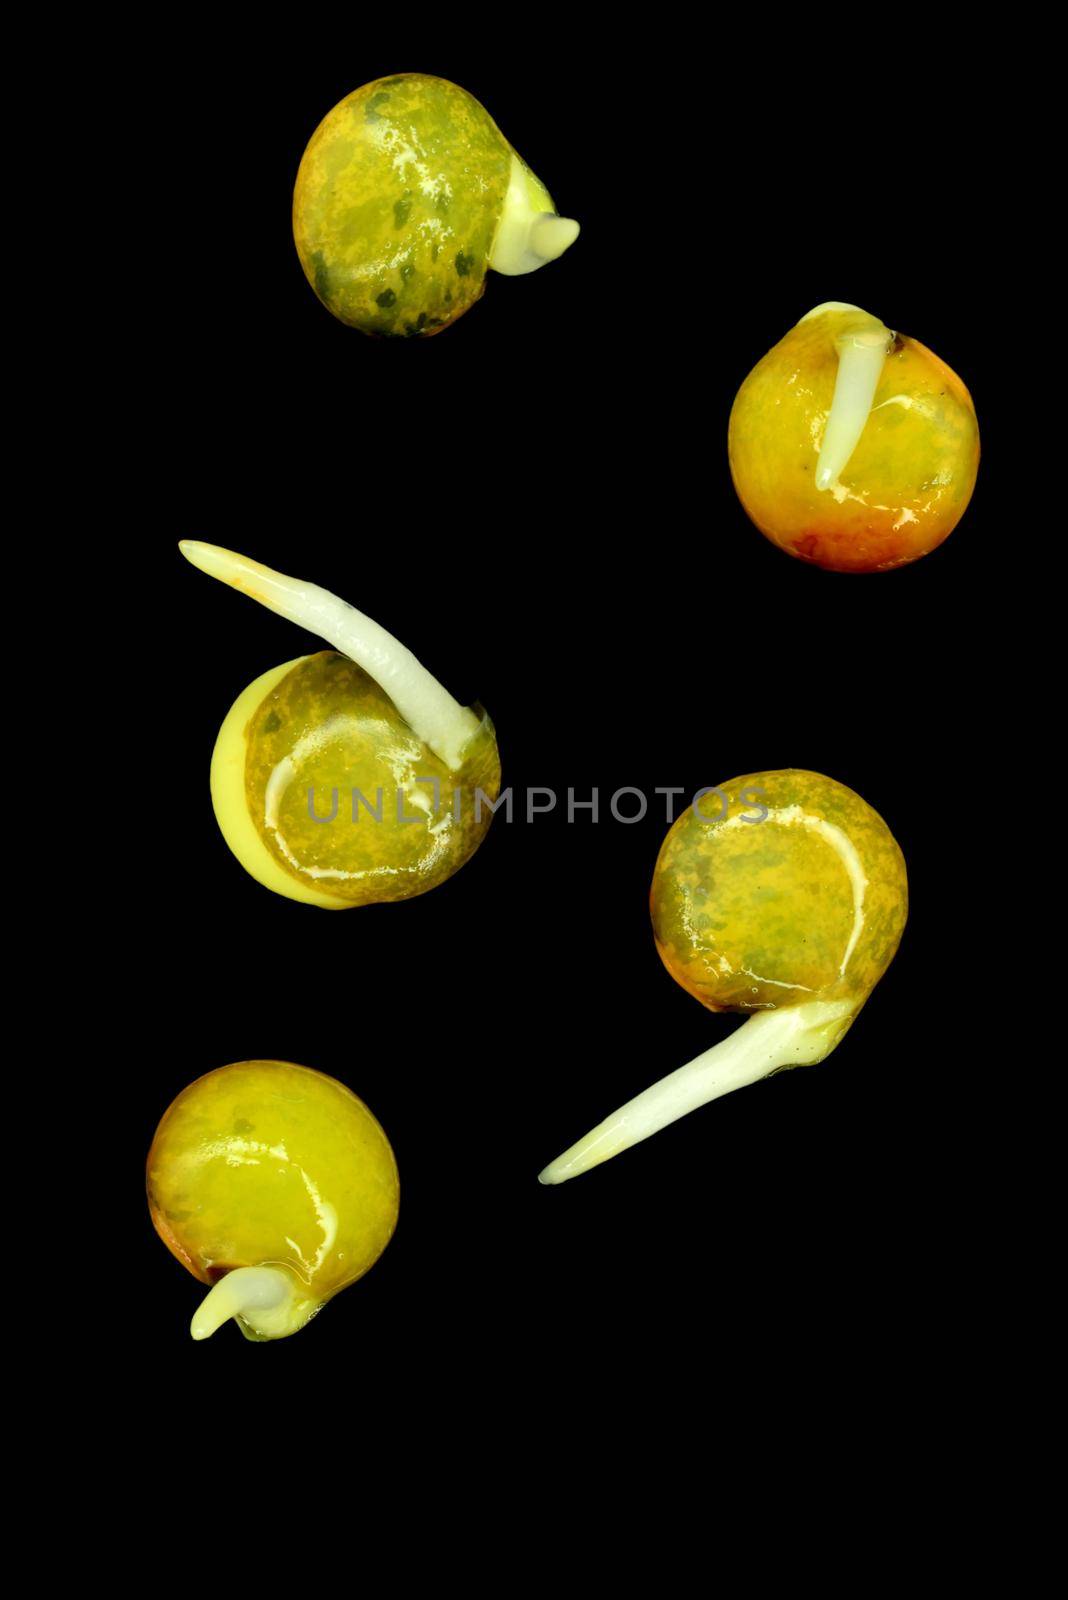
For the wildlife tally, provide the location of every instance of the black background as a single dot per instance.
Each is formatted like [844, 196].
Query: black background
[538, 502]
